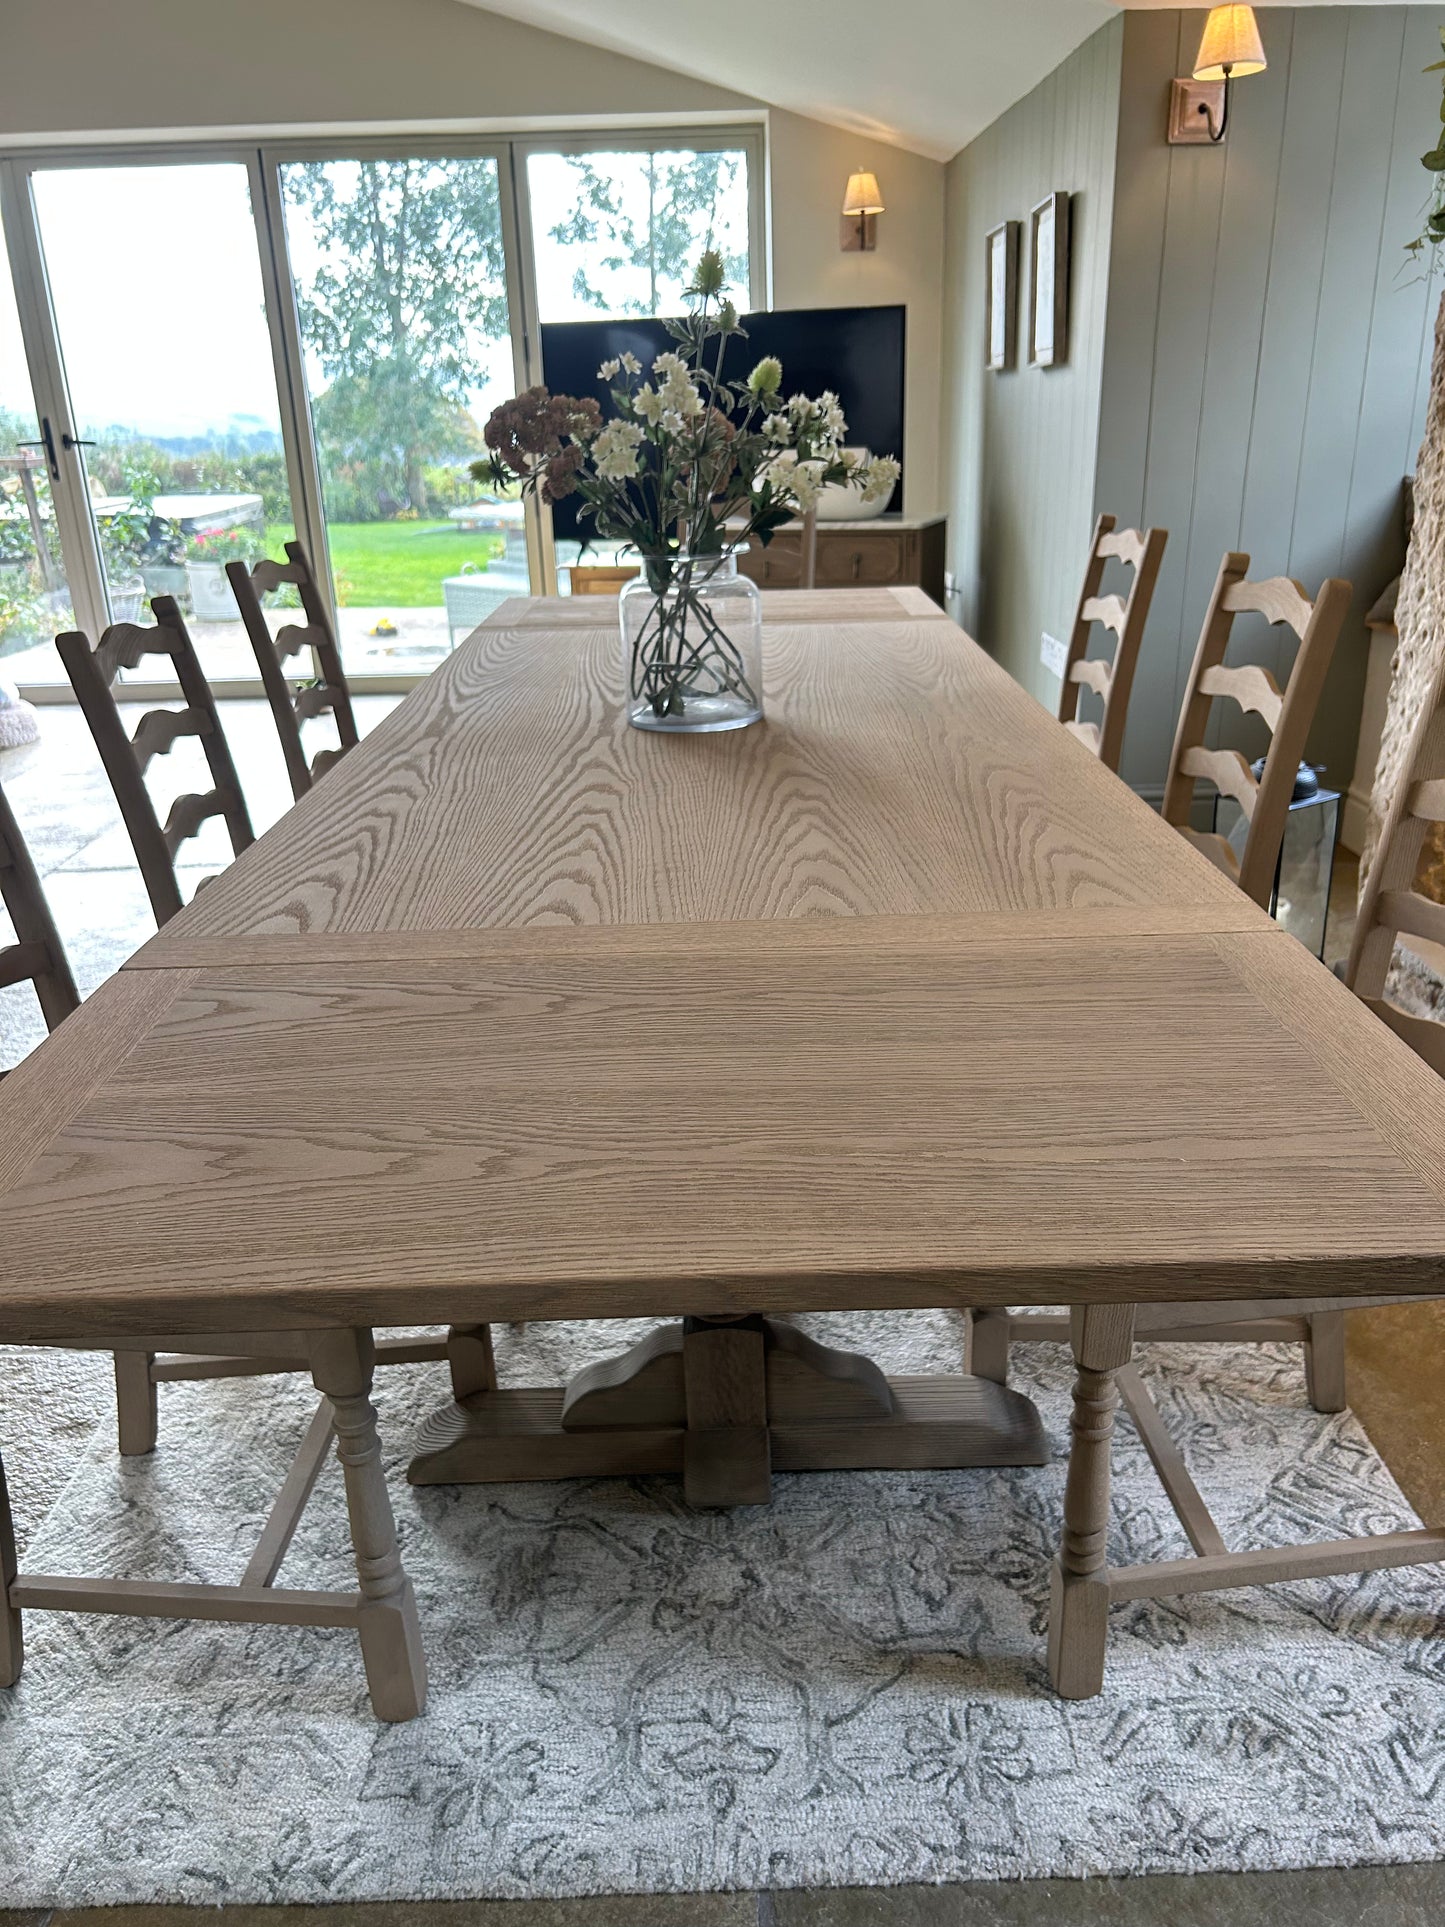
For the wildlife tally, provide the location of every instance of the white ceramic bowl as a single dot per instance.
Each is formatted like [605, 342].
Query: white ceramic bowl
[843, 501]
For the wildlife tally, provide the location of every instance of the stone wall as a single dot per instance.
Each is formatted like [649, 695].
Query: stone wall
[1420, 619]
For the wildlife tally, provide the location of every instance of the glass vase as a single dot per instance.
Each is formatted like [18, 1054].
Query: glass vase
[692, 633]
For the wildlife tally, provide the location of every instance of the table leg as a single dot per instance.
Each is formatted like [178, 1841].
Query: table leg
[391, 1650]
[12, 1644]
[137, 1417]
[726, 1455]
[1103, 1338]
[470, 1360]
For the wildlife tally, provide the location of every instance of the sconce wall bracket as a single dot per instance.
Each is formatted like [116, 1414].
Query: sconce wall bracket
[858, 233]
[1192, 105]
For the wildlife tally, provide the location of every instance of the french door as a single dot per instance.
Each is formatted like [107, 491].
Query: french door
[231, 345]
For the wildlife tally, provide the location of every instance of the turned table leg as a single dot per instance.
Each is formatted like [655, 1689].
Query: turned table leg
[12, 1645]
[391, 1648]
[1103, 1338]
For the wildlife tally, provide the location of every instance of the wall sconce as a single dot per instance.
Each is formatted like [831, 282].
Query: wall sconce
[862, 204]
[1230, 48]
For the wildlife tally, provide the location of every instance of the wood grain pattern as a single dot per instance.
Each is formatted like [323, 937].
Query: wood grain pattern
[440, 1142]
[900, 771]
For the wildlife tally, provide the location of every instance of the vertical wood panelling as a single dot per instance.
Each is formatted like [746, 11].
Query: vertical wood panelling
[1255, 300]
[1023, 445]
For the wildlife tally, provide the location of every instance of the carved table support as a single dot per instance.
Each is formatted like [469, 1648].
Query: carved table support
[724, 1403]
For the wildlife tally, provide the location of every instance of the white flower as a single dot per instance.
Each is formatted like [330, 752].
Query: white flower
[648, 404]
[669, 364]
[879, 477]
[631, 364]
[673, 422]
[803, 483]
[615, 451]
[830, 412]
[678, 390]
[609, 369]
[777, 428]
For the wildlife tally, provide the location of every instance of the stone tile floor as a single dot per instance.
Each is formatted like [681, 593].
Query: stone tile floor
[65, 809]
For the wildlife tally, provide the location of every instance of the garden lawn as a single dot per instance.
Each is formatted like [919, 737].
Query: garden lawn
[397, 565]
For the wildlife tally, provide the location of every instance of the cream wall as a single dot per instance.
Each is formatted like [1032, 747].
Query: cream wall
[810, 164]
[147, 67]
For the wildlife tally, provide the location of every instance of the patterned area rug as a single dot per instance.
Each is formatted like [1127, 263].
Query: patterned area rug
[846, 1687]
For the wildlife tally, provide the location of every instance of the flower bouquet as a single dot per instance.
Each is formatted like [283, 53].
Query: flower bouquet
[688, 468]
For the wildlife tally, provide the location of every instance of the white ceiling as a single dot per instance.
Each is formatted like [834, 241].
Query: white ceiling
[923, 74]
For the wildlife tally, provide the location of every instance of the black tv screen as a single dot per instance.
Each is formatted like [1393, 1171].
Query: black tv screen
[857, 352]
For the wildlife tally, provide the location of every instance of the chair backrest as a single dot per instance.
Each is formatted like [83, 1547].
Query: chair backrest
[38, 957]
[127, 758]
[1390, 904]
[588, 578]
[1286, 713]
[327, 690]
[1142, 550]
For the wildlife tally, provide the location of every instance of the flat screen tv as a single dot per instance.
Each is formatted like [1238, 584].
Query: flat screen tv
[857, 352]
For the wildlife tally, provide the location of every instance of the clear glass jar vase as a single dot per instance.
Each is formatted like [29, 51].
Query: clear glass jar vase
[692, 633]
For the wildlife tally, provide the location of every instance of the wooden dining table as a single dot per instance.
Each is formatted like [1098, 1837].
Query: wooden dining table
[899, 999]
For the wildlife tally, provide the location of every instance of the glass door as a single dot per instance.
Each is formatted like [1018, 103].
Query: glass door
[403, 332]
[35, 601]
[176, 458]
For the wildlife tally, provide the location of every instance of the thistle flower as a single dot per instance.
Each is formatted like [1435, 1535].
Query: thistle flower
[767, 378]
[709, 276]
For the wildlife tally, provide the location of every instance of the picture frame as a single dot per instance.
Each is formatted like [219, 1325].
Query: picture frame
[1000, 332]
[1049, 282]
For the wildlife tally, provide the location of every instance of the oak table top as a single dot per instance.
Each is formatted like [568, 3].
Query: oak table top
[912, 999]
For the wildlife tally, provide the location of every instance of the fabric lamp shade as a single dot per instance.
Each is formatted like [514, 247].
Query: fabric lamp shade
[1230, 45]
[862, 196]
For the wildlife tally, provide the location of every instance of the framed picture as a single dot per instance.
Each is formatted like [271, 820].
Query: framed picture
[1049, 282]
[1001, 324]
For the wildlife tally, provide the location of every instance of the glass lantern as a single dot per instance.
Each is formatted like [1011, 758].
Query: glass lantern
[1300, 898]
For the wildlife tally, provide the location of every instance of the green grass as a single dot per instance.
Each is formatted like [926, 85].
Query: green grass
[397, 565]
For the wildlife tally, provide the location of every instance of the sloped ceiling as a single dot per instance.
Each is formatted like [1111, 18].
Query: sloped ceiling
[922, 74]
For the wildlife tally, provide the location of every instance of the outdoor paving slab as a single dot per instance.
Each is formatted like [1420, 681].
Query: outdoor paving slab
[1407, 1896]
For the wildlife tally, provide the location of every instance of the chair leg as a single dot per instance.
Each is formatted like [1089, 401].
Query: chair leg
[986, 1350]
[1325, 1361]
[12, 1644]
[135, 1403]
[470, 1360]
[342, 1363]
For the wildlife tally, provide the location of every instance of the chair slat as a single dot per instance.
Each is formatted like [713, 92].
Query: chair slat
[1278, 600]
[1426, 800]
[1093, 672]
[1109, 611]
[1251, 686]
[39, 956]
[1228, 772]
[160, 729]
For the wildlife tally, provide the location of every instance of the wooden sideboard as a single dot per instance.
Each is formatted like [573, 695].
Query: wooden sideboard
[891, 551]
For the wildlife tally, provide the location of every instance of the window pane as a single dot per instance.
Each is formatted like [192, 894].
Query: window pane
[171, 377]
[402, 303]
[617, 234]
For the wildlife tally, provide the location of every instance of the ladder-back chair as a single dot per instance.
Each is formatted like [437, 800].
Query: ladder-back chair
[38, 956]
[1391, 906]
[328, 690]
[1287, 713]
[1142, 550]
[126, 758]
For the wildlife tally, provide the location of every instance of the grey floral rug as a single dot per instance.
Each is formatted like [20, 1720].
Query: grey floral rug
[846, 1687]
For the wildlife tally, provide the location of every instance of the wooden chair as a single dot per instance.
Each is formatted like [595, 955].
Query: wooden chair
[1142, 551]
[291, 707]
[38, 957]
[1390, 905]
[1287, 713]
[92, 673]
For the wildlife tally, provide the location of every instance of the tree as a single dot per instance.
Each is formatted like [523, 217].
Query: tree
[409, 293]
[660, 229]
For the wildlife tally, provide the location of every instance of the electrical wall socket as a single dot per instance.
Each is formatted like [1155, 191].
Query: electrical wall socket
[1053, 654]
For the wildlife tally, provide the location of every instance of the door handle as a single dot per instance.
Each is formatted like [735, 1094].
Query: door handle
[47, 442]
[71, 441]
